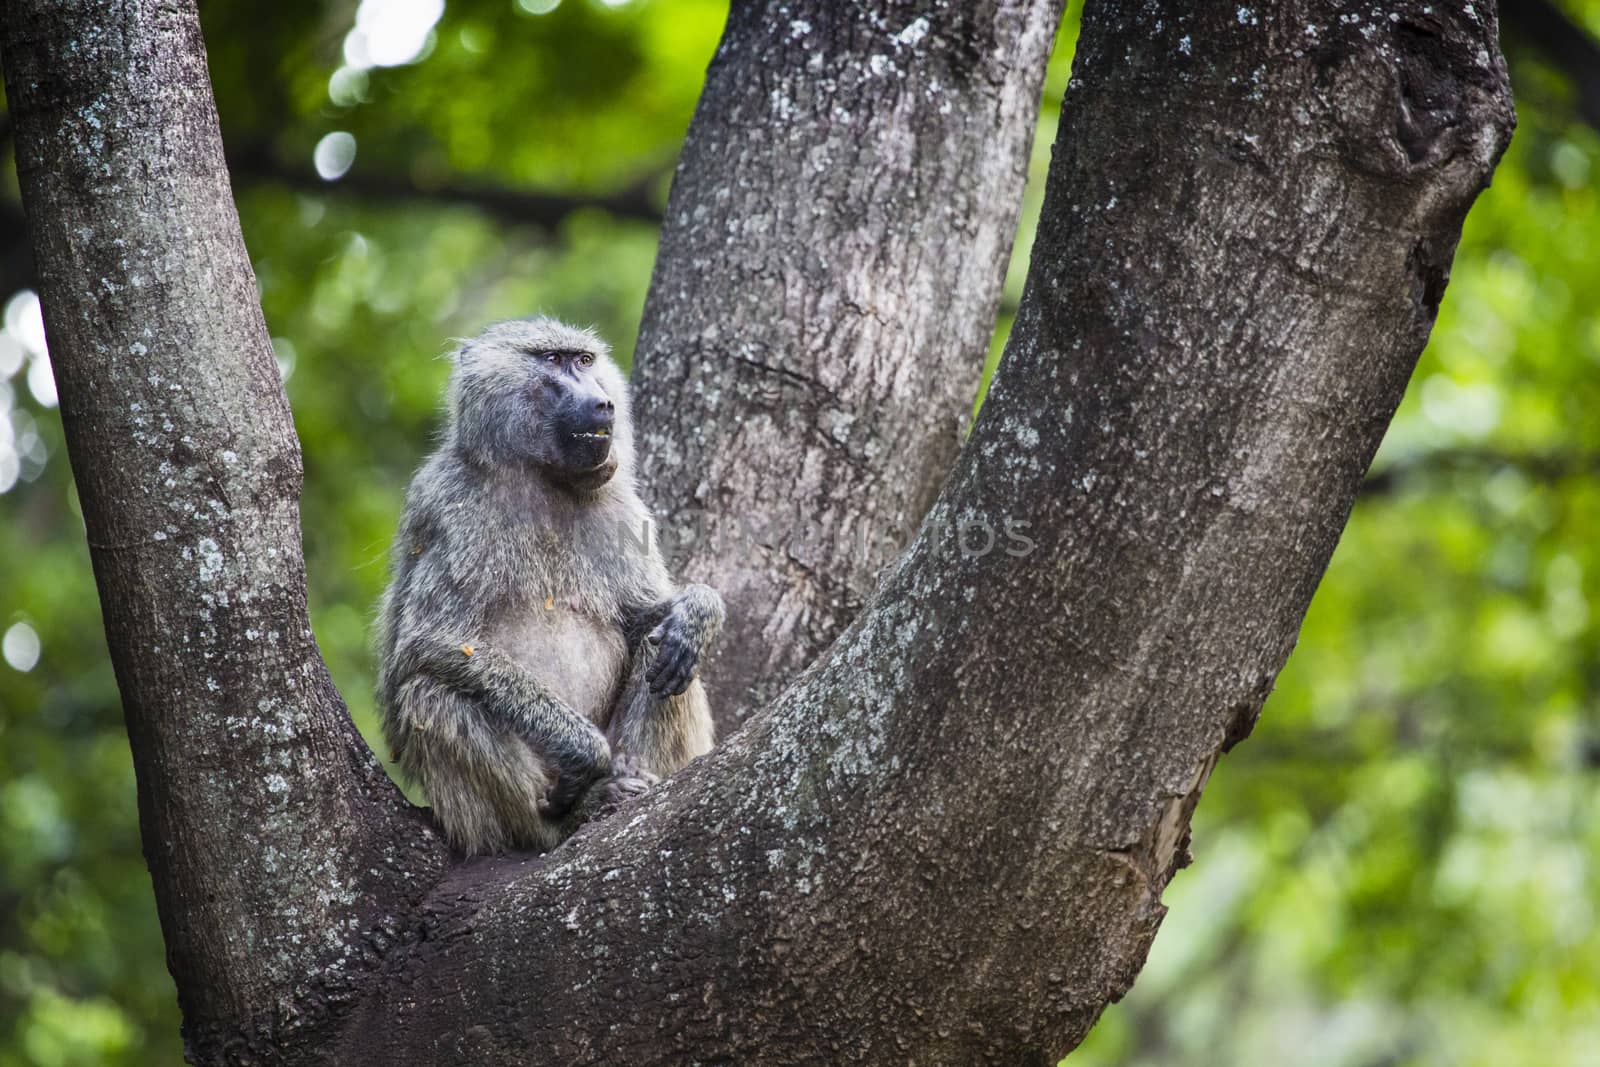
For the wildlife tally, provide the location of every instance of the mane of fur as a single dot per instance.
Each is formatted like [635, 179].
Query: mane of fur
[490, 507]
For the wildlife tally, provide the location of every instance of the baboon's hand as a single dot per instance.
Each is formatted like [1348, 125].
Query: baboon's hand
[577, 766]
[677, 658]
[629, 779]
[691, 623]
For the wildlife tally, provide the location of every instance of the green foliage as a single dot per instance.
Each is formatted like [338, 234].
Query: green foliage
[1399, 867]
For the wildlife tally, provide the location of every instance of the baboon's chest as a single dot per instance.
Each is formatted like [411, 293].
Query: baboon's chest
[576, 656]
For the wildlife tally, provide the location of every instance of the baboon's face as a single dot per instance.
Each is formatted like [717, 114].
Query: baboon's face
[578, 415]
[537, 391]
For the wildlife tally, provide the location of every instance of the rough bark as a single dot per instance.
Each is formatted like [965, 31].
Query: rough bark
[946, 843]
[274, 839]
[823, 300]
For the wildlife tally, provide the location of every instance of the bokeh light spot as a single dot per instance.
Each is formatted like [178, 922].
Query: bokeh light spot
[334, 155]
[24, 321]
[391, 33]
[20, 646]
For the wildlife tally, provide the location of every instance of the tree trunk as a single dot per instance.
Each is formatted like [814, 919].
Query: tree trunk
[823, 300]
[274, 839]
[946, 843]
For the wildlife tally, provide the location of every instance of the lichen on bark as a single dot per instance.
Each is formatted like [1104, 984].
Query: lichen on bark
[946, 840]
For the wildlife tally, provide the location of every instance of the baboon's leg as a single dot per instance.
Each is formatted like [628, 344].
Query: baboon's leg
[487, 786]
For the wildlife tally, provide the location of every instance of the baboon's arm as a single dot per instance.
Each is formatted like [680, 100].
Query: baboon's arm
[682, 628]
[575, 746]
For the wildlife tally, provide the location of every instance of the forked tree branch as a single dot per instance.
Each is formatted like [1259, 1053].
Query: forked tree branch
[946, 843]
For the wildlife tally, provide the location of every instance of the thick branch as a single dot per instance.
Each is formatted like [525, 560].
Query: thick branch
[829, 271]
[273, 839]
[947, 843]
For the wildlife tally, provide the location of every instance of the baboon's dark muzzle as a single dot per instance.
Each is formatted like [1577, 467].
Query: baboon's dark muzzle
[586, 429]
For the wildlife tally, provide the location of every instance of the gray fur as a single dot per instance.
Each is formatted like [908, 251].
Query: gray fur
[537, 664]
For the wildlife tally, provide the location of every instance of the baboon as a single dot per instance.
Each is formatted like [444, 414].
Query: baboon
[537, 665]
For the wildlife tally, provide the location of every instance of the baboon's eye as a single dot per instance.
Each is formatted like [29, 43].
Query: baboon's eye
[585, 359]
[553, 358]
